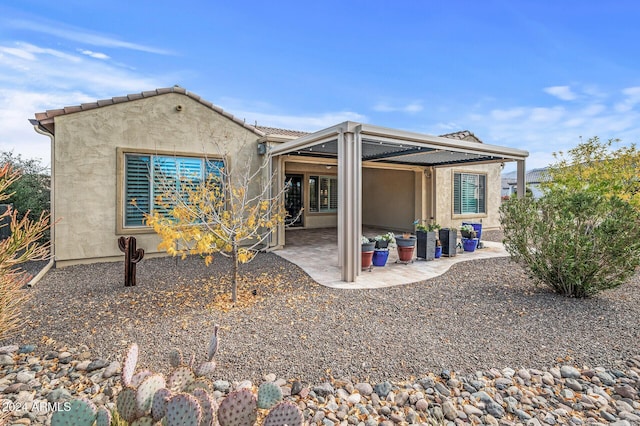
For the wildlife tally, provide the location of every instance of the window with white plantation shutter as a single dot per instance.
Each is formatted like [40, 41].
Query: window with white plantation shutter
[323, 194]
[145, 184]
[469, 193]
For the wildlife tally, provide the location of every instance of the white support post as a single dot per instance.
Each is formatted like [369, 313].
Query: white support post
[521, 178]
[278, 164]
[350, 203]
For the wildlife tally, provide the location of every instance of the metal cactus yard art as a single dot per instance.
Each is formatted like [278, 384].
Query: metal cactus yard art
[131, 257]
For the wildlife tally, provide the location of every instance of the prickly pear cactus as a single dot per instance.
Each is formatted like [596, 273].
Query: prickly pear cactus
[183, 409]
[129, 364]
[143, 421]
[175, 358]
[126, 404]
[200, 383]
[146, 392]
[138, 378]
[180, 378]
[103, 418]
[82, 412]
[268, 395]
[208, 406]
[284, 413]
[159, 404]
[206, 369]
[239, 408]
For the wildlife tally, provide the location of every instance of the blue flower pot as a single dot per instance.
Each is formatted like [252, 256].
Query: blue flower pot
[438, 252]
[469, 244]
[380, 257]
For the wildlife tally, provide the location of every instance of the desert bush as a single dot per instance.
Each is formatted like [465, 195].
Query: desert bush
[577, 243]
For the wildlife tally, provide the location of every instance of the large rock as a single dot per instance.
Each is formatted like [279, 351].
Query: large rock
[324, 389]
[569, 372]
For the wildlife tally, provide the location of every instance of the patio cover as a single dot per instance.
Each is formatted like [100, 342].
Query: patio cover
[353, 143]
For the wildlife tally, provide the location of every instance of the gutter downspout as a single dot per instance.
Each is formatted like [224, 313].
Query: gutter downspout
[52, 259]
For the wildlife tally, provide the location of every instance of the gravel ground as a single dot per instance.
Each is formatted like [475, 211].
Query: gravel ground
[479, 315]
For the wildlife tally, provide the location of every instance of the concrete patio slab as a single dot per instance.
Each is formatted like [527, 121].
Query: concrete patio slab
[316, 253]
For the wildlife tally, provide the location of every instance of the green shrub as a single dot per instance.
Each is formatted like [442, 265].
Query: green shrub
[577, 243]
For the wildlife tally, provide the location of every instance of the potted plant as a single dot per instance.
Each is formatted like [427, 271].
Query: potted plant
[449, 239]
[383, 241]
[367, 252]
[405, 244]
[426, 240]
[469, 240]
[437, 254]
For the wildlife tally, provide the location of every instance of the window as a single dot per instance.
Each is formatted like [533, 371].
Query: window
[148, 176]
[469, 193]
[323, 194]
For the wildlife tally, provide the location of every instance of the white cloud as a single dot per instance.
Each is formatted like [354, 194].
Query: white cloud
[561, 92]
[632, 98]
[92, 54]
[411, 107]
[81, 35]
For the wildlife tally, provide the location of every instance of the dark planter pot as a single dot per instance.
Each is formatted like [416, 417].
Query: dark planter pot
[368, 247]
[448, 239]
[438, 252]
[380, 257]
[382, 244]
[405, 242]
[426, 245]
[469, 244]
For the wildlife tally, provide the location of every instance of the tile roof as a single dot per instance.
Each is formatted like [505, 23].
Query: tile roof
[462, 135]
[281, 132]
[48, 115]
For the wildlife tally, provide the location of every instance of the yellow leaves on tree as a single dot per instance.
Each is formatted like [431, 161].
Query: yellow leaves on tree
[229, 215]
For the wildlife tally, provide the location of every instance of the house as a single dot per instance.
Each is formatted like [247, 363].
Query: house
[346, 176]
[533, 178]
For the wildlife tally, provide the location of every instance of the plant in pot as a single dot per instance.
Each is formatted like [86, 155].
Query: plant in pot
[381, 253]
[426, 240]
[405, 243]
[367, 252]
[469, 240]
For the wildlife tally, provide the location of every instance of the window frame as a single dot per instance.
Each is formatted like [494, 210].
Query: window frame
[331, 187]
[121, 202]
[480, 199]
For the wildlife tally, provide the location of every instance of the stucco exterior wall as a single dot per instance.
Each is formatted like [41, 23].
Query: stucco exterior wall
[88, 170]
[444, 196]
[388, 199]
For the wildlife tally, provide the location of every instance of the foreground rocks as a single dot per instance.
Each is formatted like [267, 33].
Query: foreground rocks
[32, 386]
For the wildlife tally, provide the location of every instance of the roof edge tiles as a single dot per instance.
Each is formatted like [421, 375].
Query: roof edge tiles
[49, 115]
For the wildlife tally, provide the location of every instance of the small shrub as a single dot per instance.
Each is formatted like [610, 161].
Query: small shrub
[577, 243]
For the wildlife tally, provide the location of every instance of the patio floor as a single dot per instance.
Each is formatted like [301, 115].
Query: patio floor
[316, 252]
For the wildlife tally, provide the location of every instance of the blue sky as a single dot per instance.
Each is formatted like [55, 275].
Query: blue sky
[535, 75]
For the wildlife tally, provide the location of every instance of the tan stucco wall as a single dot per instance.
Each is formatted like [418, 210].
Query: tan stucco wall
[444, 196]
[86, 164]
[388, 199]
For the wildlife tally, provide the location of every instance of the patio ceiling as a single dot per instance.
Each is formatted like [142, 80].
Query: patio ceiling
[399, 147]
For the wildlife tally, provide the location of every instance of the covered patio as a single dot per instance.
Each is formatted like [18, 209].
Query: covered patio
[314, 250]
[353, 145]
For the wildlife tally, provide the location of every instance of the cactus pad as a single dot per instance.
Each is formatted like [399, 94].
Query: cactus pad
[159, 404]
[175, 358]
[239, 408]
[81, 412]
[200, 383]
[183, 409]
[129, 364]
[143, 421]
[208, 406]
[146, 392]
[206, 369]
[269, 394]
[284, 413]
[180, 378]
[103, 418]
[138, 378]
[126, 404]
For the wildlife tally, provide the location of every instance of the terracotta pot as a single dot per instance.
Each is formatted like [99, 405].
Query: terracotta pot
[367, 257]
[405, 254]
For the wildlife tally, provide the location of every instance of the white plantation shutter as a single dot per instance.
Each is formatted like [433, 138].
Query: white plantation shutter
[469, 193]
[137, 189]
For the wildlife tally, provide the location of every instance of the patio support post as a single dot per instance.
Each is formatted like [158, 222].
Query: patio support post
[278, 164]
[521, 180]
[349, 202]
